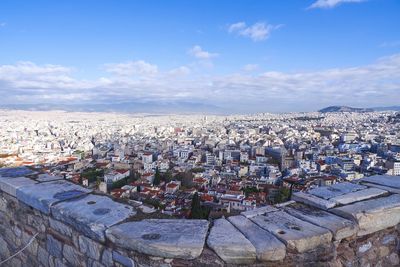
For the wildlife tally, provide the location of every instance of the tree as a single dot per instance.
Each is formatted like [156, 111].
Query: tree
[157, 178]
[283, 195]
[196, 212]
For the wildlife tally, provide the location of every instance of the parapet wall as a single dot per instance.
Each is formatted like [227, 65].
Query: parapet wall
[57, 223]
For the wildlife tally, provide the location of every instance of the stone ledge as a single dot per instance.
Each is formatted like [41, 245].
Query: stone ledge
[230, 244]
[295, 233]
[372, 215]
[261, 235]
[268, 247]
[161, 238]
[92, 214]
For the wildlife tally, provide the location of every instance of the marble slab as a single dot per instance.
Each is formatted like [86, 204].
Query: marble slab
[162, 237]
[92, 214]
[295, 233]
[42, 196]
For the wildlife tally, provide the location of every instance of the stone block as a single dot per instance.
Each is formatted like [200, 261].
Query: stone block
[92, 214]
[44, 177]
[54, 247]
[374, 214]
[43, 195]
[268, 247]
[123, 260]
[16, 172]
[328, 192]
[359, 195]
[313, 200]
[386, 188]
[230, 244]
[295, 233]
[162, 238]
[385, 180]
[73, 256]
[10, 185]
[90, 248]
[340, 227]
[258, 211]
[60, 227]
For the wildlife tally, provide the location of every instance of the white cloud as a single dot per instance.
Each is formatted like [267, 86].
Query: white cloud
[375, 84]
[332, 3]
[197, 52]
[3, 24]
[140, 68]
[250, 67]
[180, 71]
[257, 32]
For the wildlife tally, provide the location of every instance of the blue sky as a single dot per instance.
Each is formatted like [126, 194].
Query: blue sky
[243, 56]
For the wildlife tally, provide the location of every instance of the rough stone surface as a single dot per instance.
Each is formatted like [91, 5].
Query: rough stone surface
[163, 238]
[386, 188]
[44, 177]
[60, 227]
[123, 260]
[89, 247]
[107, 258]
[92, 214]
[385, 180]
[373, 215]
[296, 233]
[359, 195]
[72, 255]
[340, 227]
[54, 247]
[16, 172]
[328, 192]
[313, 200]
[258, 211]
[230, 244]
[268, 247]
[43, 195]
[10, 185]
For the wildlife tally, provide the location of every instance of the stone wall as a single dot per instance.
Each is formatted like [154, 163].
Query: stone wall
[70, 226]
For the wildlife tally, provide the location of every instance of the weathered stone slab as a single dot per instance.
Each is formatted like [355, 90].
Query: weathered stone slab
[43, 195]
[313, 200]
[328, 192]
[44, 177]
[386, 188]
[340, 227]
[372, 215]
[161, 238]
[92, 214]
[295, 233]
[258, 211]
[10, 185]
[358, 196]
[15, 172]
[230, 244]
[386, 180]
[268, 247]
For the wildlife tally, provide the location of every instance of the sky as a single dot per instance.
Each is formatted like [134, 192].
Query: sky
[240, 56]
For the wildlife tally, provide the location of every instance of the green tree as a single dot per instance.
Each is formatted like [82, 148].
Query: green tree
[157, 178]
[283, 195]
[196, 212]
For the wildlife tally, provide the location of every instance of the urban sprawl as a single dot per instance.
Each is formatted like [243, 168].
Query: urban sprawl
[194, 166]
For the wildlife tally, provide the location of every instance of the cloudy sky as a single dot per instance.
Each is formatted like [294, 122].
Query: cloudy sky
[241, 56]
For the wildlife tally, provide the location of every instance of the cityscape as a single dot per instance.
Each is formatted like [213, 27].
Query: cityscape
[199, 133]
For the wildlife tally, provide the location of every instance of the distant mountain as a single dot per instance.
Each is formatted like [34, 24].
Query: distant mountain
[344, 109]
[351, 109]
[394, 108]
